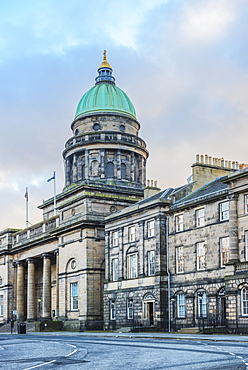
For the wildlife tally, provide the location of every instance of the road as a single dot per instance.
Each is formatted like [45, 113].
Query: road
[24, 352]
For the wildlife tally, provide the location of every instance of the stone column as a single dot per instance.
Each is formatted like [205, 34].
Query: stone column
[20, 291]
[67, 172]
[86, 153]
[74, 168]
[56, 252]
[118, 173]
[46, 298]
[31, 301]
[121, 266]
[132, 167]
[233, 228]
[102, 163]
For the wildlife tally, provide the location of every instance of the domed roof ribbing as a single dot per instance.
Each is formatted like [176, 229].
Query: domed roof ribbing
[105, 96]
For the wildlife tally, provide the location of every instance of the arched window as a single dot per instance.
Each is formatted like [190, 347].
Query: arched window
[110, 170]
[94, 168]
[76, 132]
[244, 301]
[123, 171]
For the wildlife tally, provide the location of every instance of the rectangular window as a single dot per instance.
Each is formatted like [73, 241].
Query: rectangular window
[179, 223]
[150, 228]
[74, 296]
[131, 234]
[246, 203]
[202, 304]
[132, 266]
[151, 263]
[224, 211]
[179, 260]
[112, 310]
[181, 305]
[114, 238]
[1, 305]
[246, 245]
[115, 269]
[224, 251]
[201, 256]
[244, 301]
[130, 309]
[200, 217]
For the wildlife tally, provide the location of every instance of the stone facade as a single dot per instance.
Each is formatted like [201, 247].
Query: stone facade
[200, 244]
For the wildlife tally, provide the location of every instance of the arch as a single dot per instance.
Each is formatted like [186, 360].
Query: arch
[110, 170]
[123, 171]
[148, 296]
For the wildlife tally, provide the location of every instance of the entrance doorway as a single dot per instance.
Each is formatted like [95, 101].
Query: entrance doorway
[149, 302]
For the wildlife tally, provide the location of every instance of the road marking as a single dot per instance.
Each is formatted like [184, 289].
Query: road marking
[33, 367]
[75, 350]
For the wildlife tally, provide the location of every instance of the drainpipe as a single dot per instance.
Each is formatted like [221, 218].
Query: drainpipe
[168, 271]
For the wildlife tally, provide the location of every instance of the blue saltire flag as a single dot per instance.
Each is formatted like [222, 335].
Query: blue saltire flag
[52, 178]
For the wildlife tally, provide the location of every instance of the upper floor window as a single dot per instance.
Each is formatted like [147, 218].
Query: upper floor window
[244, 301]
[246, 245]
[150, 228]
[179, 260]
[123, 171]
[202, 304]
[110, 170]
[201, 255]
[200, 217]
[114, 238]
[224, 251]
[131, 233]
[151, 262]
[130, 308]
[132, 266]
[181, 305]
[179, 222]
[246, 203]
[224, 211]
[115, 269]
[74, 296]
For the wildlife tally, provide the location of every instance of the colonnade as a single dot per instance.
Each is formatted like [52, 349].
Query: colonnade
[32, 298]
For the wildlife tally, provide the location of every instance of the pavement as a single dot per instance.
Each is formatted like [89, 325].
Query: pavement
[105, 334]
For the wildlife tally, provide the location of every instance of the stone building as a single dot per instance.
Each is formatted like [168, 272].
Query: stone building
[56, 267]
[179, 257]
[109, 247]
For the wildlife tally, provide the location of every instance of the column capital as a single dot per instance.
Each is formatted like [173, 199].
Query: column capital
[30, 260]
[56, 251]
[46, 255]
[20, 263]
[233, 196]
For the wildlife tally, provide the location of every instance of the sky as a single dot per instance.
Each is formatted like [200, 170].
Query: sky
[183, 64]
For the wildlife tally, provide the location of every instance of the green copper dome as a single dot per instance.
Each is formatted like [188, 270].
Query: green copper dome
[105, 96]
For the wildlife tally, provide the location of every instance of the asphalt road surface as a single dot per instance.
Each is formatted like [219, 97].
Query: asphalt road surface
[24, 352]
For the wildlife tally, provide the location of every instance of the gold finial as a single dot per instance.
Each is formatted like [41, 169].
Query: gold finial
[105, 63]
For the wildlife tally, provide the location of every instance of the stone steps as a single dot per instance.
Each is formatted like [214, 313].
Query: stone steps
[192, 330]
[30, 327]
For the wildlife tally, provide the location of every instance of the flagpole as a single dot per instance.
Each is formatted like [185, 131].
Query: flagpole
[26, 196]
[54, 197]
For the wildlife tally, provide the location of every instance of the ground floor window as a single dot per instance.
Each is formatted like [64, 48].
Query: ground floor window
[1, 305]
[202, 304]
[74, 296]
[244, 301]
[130, 309]
[112, 310]
[181, 305]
